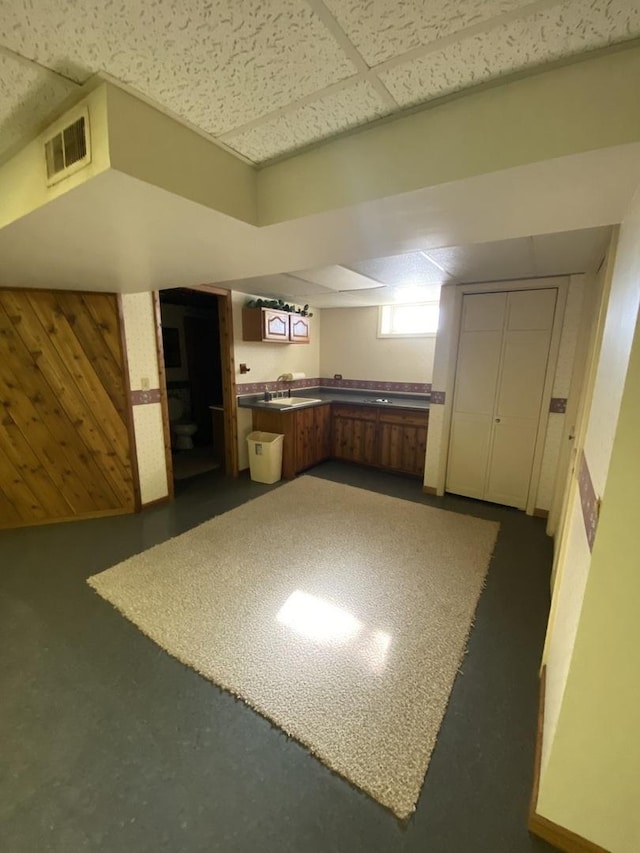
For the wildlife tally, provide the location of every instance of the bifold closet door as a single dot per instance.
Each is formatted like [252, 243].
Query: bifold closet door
[502, 364]
[477, 373]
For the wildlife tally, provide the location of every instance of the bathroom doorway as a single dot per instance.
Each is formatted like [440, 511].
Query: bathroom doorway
[195, 346]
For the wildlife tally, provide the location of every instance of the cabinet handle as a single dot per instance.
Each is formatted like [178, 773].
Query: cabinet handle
[497, 420]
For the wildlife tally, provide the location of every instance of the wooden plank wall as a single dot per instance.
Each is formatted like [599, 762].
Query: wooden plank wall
[65, 447]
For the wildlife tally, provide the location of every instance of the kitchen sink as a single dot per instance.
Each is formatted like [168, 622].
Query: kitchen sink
[291, 402]
[380, 400]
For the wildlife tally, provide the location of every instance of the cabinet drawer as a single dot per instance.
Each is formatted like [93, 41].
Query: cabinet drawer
[362, 413]
[404, 416]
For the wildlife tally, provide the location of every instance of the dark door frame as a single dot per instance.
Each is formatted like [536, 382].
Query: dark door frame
[229, 400]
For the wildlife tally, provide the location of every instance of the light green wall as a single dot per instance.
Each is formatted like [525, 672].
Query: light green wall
[589, 780]
[23, 178]
[592, 780]
[590, 104]
[148, 145]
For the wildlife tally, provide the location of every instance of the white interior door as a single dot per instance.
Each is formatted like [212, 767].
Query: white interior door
[502, 364]
[478, 367]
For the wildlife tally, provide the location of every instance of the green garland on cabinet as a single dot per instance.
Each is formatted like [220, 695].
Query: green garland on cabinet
[279, 305]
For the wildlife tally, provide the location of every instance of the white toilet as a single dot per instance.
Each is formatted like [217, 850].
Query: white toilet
[183, 431]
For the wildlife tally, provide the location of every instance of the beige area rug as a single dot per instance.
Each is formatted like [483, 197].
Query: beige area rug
[339, 614]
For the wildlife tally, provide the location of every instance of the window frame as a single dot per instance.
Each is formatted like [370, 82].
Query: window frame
[397, 305]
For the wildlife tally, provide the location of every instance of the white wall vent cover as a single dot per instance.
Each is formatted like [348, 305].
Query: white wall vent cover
[68, 149]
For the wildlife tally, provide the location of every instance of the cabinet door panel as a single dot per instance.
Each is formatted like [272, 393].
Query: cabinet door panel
[342, 438]
[305, 435]
[276, 326]
[322, 426]
[298, 329]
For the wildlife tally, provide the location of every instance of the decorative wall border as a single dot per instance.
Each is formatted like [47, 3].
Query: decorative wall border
[314, 382]
[438, 397]
[588, 500]
[141, 398]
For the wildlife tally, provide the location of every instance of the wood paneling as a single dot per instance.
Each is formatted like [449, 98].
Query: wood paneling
[229, 400]
[64, 430]
[164, 399]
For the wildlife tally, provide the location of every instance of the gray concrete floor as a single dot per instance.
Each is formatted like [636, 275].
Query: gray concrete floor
[109, 744]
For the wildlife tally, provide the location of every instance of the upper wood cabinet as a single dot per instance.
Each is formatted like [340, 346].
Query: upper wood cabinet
[268, 324]
[265, 324]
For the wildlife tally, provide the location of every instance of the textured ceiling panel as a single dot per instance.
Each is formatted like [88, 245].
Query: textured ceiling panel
[381, 295]
[388, 28]
[218, 64]
[28, 96]
[405, 270]
[560, 31]
[325, 117]
[335, 278]
[488, 261]
[280, 286]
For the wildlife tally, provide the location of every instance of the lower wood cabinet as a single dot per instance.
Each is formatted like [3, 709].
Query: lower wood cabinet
[394, 439]
[307, 435]
[403, 440]
[354, 433]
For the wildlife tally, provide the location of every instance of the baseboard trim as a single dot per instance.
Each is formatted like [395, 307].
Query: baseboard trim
[158, 502]
[559, 836]
[430, 490]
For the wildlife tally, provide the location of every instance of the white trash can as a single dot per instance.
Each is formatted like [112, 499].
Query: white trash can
[265, 456]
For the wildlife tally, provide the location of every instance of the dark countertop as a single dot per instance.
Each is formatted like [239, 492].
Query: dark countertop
[340, 395]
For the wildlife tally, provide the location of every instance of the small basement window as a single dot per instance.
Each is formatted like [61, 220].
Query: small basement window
[406, 321]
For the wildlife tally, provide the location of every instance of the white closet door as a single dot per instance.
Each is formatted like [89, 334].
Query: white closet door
[483, 317]
[493, 440]
[525, 354]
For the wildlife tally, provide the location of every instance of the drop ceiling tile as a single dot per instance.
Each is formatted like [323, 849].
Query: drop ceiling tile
[497, 261]
[336, 278]
[351, 106]
[388, 28]
[560, 31]
[28, 97]
[413, 268]
[219, 64]
[278, 286]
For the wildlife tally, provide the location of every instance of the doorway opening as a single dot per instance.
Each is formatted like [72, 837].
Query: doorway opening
[195, 347]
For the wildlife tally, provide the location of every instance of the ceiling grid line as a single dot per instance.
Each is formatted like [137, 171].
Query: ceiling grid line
[330, 22]
[267, 80]
[371, 73]
[32, 63]
[467, 32]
